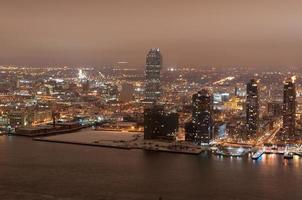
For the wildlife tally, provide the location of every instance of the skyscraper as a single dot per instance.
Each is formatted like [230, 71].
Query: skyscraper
[152, 75]
[159, 124]
[289, 109]
[202, 120]
[252, 108]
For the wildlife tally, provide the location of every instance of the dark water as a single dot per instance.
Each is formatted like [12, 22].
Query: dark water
[39, 170]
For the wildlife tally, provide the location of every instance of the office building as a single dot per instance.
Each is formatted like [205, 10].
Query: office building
[201, 128]
[252, 109]
[152, 75]
[289, 109]
[159, 124]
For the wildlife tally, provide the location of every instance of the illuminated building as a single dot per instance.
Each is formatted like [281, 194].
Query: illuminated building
[109, 92]
[81, 75]
[4, 121]
[289, 109]
[159, 124]
[200, 130]
[20, 118]
[252, 108]
[233, 104]
[152, 75]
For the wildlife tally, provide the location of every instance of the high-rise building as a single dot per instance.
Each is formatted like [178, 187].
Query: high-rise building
[201, 128]
[252, 108]
[289, 109]
[159, 124]
[152, 75]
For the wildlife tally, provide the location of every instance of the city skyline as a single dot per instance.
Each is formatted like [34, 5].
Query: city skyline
[199, 33]
[150, 99]
[221, 118]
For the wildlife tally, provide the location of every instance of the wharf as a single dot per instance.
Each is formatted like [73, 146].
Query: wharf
[121, 140]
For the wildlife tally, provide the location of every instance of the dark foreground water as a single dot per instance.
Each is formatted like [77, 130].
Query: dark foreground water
[38, 170]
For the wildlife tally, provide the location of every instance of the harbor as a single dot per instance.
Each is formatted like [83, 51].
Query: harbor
[130, 140]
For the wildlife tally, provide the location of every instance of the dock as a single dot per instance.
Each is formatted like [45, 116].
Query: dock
[122, 140]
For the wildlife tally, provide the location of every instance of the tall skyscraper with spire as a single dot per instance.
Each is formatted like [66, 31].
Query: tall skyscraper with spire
[289, 109]
[252, 108]
[152, 75]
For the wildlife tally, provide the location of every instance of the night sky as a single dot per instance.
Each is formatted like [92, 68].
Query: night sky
[188, 32]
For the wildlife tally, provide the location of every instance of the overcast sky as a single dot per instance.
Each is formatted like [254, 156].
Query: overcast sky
[188, 32]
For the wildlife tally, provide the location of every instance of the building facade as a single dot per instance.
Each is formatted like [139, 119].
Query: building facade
[200, 130]
[21, 118]
[159, 124]
[289, 109]
[152, 75]
[252, 109]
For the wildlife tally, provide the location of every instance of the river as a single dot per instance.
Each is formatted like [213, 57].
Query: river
[32, 170]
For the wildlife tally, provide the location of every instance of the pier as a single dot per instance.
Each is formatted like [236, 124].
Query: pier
[122, 140]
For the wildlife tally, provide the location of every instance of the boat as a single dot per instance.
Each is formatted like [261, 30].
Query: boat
[231, 152]
[288, 155]
[257, 154]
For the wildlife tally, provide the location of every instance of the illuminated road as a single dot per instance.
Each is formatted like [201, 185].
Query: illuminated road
[221, 81]
[266, 137]
[269, 136]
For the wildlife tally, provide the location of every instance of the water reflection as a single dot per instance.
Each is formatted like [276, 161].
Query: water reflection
[268, 160]
[1, 138]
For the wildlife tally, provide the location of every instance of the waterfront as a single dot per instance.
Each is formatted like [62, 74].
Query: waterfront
[123, 140]
[38, 170]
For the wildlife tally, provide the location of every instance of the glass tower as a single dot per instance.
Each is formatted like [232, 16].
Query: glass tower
[152, 75]
[252, 108]
[289, 109]
[202, 120]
